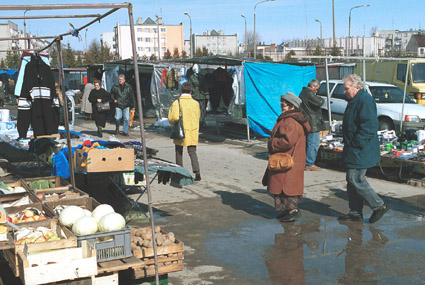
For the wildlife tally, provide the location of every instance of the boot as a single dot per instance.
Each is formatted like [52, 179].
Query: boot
[99, 132]
[198, 176]
[117, 130]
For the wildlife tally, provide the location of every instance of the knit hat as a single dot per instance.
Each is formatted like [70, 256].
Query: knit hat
[291, 98]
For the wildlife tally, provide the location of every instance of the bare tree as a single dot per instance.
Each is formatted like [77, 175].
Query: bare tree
[250, 40]
[373, 31]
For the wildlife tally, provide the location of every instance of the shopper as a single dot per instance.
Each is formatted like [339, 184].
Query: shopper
[2, 94]
[124, 101]
[10, 90]
[361, 149]
[288, 136]
[99, 95]
[311, 106]
[191, 113]
[86, 106]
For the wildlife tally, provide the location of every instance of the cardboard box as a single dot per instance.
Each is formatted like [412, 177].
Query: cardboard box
[104, 160]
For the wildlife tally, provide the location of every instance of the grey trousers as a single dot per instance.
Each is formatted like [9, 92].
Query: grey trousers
[191, 150]
[358, 189]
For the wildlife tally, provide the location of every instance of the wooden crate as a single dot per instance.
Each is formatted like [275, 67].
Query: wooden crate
[48, 213]
[87, 203]
[57, 265]
[68, 240]
[104, 160]
[10, 198]
[58, 184]
[178, 246]
[148, 271]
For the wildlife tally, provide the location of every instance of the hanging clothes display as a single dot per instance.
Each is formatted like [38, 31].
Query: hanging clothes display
[38, 102]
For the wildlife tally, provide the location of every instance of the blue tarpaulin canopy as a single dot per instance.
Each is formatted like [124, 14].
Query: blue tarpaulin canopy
[9, 71]
[264, 84]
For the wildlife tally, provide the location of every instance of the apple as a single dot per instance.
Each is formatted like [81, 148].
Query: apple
[36, 217]
[41, 218]
[40, 196]
[41, 239]
[30, 219]
[15, 219]
[29, 213]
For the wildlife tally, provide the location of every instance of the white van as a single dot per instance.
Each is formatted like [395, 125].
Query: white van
[389, 101]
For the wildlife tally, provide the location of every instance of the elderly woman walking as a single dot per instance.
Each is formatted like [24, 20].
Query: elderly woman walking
[288, 136]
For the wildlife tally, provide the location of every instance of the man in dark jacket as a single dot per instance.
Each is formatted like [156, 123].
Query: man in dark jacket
[361, 150]
[124, 101]
[311, 106]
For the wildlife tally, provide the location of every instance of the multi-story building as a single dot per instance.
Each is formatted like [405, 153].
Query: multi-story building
[171, 37]
[354, 46]
[416, 45]
[396, 41]
[107, 38]
[216, 42]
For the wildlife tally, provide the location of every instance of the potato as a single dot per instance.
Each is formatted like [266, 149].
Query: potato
[146, 243]
[167, 242]
[147, 236]
[159, 240]
[133, 246]
[138, 233]
[157, 229]
[133, 232]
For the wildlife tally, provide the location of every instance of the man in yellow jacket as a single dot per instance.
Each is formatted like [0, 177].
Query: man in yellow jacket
[190, 115]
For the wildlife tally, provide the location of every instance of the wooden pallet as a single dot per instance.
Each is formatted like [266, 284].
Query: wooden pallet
[120, 264]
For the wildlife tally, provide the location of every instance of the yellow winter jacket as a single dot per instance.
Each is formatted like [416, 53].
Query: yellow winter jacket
[191, 114]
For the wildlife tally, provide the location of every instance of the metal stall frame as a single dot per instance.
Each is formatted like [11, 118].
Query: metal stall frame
[363, 59]
[57, 39]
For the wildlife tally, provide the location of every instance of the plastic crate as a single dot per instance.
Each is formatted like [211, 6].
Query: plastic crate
[117, 247]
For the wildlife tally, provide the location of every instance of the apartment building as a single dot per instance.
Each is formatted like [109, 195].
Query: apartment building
[216, 42]
[171, 37]
[396, 41]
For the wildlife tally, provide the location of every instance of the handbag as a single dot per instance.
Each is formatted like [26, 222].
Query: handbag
[103, 106]
[178, 130]
[281, 161]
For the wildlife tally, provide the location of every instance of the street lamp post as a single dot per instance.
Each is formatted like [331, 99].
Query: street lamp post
[254, 36]
[190, 20]
[159, 38]
[317, 20]
[349, 26]
[25, 31]
[246, 46]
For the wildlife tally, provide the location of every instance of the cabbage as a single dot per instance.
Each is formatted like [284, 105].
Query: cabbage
[70, 215]
[111, 222]
[87, 213]
[84, 226]
[101, 211]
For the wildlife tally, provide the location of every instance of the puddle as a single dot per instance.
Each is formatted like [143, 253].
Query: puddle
[319, 250]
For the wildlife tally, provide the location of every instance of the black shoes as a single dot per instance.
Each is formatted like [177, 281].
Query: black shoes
[291, 217]
[378, 214]
[117, 131]
[125, 134]
[99, 132]
[351, 216]
[197, 176]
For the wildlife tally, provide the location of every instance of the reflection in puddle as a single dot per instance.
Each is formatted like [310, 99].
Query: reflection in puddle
[323, 250]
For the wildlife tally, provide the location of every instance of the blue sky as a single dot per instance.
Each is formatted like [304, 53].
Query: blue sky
[276, 21]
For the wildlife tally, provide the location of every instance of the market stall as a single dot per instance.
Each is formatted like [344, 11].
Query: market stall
[84, 257]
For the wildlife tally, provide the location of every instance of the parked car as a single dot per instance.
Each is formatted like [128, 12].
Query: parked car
[389, 102]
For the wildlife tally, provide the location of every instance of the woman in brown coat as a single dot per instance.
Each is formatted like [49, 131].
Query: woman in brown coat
[288, 136]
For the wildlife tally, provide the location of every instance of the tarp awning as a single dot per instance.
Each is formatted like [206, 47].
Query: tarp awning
[264, 84]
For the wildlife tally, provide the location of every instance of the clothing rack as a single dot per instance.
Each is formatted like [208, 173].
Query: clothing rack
[114, 7]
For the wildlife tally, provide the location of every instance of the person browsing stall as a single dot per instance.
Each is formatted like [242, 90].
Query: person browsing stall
[124, 101]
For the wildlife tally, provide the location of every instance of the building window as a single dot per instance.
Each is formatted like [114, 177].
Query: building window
[139, 49]
[148, 49]
[163, 39]
[139, 39]
[148, 40]
[405, 34]
[155, 30]
[139, 30]
[155, 49]
[163, 30]
[405, 41]
[147, 30]
[162, 48]
[208, 45]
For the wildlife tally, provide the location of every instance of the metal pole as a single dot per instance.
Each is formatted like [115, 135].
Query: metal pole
[142, 134]
[63, 6]
[254, 36]
[404, 95]
[65, 111]
[364, 74]
[349, 26]
[333, 23]
[159, 38]
[328, 94]
[190, 38]
[25, 31]
[246, 46]
[48, 17]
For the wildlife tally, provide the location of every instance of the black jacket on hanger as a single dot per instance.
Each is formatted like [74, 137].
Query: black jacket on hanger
[38, 103]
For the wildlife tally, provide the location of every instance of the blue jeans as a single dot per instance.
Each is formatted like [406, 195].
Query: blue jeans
[358, 189]
[312, 146]
[120, 113]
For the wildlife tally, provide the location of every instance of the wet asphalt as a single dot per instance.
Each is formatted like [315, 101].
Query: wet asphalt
[227, 222]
